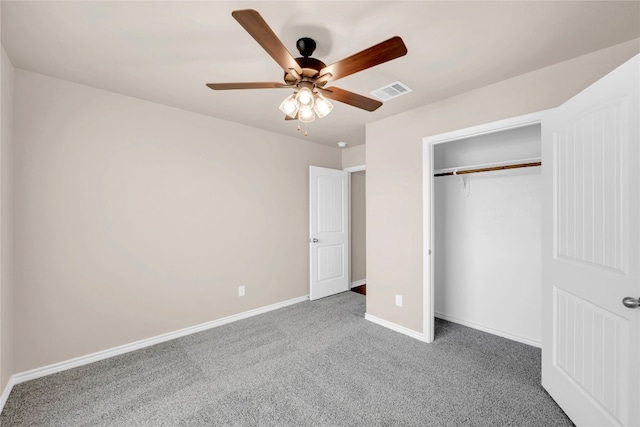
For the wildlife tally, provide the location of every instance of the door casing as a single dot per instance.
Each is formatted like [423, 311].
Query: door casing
[428, 144]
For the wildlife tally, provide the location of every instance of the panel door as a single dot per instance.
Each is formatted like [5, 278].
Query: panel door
[591, 256]
[329, 231]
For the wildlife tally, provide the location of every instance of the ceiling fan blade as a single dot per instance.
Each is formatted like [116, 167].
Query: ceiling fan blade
[350, 98]
[253, 23]
[290, 118]
[248, 85]
[375, 55]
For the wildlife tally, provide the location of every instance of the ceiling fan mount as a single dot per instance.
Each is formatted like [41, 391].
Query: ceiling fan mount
[309, 73]
[306, 46]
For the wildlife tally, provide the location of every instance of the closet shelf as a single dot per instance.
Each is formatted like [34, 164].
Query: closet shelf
[525, 163]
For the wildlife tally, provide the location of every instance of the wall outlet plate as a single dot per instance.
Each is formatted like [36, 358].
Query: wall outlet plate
[399, 300]
[240, 291]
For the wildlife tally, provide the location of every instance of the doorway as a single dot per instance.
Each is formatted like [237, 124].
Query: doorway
[487, 233]
[337, 221]
[357, 218]
[444, 199]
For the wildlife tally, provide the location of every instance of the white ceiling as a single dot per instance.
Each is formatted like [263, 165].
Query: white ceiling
[166, 51]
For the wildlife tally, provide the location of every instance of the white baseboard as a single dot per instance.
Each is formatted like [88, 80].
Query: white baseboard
[358, 283]
[489, 330]
[115, 351]
[401, 329]
[6, 392]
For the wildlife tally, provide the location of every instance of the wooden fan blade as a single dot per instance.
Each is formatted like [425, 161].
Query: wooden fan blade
[249, 85]
[350, 98]
[290, 118]
[253, 23]
[375, 55]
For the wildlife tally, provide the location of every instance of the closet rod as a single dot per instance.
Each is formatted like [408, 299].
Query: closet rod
[489, 169]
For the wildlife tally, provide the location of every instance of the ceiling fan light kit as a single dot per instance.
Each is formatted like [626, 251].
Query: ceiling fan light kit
[321, 106]
[304, 97]
[289, 106]
[308, 76]
[306, 116]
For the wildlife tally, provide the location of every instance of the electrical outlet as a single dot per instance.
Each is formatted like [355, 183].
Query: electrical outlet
[399, 300]
[240, 291]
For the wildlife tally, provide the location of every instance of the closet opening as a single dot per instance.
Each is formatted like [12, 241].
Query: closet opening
[485, 234]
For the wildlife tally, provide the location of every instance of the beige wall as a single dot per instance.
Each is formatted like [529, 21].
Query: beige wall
[6, 214]
[353, 156]
[394, 169]
[358, 227]
[133, 219]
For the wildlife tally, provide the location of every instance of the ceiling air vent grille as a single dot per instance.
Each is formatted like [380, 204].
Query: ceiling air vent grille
[391, 91]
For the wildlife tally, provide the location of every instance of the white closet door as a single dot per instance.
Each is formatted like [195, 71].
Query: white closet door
[591, 251]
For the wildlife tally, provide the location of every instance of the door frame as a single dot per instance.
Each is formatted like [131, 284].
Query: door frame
[351, 169]
[428, 145]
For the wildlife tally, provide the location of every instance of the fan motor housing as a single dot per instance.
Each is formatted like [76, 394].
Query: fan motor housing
[310, 68]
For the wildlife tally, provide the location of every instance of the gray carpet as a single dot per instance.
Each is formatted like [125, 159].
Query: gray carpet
[311, 364]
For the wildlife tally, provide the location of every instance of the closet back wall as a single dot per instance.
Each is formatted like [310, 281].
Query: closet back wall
[488, 243]
[133, 219]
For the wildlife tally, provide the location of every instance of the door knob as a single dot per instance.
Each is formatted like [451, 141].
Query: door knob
[631, 302]
[314, 240]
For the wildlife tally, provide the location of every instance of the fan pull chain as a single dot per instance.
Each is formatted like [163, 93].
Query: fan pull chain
[305, 129]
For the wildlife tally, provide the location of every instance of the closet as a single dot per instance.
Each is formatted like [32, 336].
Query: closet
[487, 232]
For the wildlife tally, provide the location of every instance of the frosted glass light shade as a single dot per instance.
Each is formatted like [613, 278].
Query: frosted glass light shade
[321, 106]
[289, 106]
[306, 116]
[304, 99]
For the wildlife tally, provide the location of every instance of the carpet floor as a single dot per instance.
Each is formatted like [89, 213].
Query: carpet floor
[310, 364]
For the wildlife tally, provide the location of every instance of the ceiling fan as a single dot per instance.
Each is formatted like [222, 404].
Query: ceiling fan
[308, 76]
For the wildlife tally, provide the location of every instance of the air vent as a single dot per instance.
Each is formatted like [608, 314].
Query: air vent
[391, 91]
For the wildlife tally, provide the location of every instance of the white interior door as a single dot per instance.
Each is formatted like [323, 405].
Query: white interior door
[329, 231]
[591, 255]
